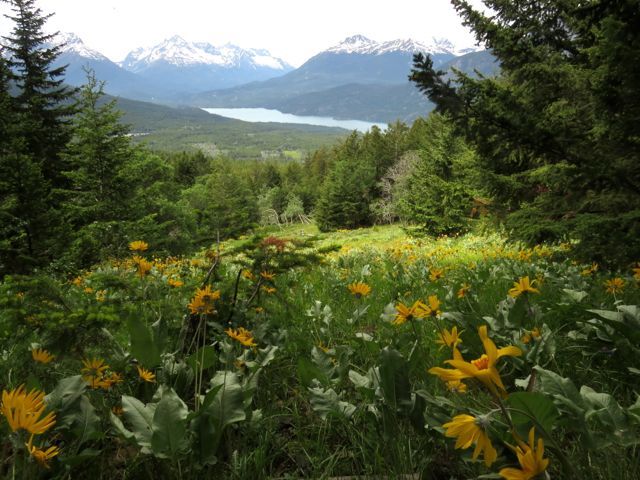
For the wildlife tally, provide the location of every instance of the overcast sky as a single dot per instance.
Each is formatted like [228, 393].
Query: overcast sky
[293, 30]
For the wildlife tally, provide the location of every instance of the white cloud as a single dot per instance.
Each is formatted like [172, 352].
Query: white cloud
[291, 29]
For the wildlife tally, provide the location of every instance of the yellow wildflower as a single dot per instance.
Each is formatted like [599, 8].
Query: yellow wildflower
[456, 386]
[241, 335]
[42, 356]
[248, 275]
[433, 307]
[146, 375]
[589, 270]
[359, 289]
[614, 285]
[464, 289]
[175, 283]
[417, 310]
[531, 335]
[138, 246]
[25, 411]
[449, 338]
[202, 302]
[467, 430]
[267, 275]
[530, 458]
[268, 290]
[42, 456]
[143, 266]
[436, 274]
[117, 410]
[483, 368]
[93, 372]
[523, 286]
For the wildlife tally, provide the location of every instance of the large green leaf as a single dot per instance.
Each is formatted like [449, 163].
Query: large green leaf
[64, 400]
[227, 406]
[531, 408]
[66, 393]
[143, 346]
[564, 392]
[222, 406]
[169, 425]
[327, 402]
[140, 417]
[394, 379]
[204, 358]
[86, 423]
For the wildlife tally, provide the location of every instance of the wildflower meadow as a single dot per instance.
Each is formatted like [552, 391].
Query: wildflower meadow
[293, 354]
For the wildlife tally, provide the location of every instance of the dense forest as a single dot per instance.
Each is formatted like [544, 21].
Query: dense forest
[220, 311]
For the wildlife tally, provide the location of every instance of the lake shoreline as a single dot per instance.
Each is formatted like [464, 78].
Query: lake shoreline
[265, 115]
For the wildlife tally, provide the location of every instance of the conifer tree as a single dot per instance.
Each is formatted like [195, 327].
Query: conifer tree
[557, 133]
[24, 212]
[44, 102]
[40, 106]
[96, 155]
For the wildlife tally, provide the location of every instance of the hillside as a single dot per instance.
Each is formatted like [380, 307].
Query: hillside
[188, 128]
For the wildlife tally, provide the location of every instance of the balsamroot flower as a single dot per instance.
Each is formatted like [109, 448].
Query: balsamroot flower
[202, 302]
[432, 309]
[534, 334]
[138, 246]
[449, 338]
[242, 335]
[417, 310]
[267, 275]
[614, 285]
[25, 411]
[42, 356]
[468, 430]
[484, 368]
[93, 373]
[359, 289]
[523, 286]
[146, 375]
[530, 458]
[464, 289]
[436, 274]
[143, 267]
[42, 456]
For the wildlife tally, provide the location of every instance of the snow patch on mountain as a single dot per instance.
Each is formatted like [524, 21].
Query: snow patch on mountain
[360, 44]
[71, 43]
[179, 52]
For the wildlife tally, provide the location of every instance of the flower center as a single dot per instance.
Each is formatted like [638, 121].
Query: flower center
[481, 363]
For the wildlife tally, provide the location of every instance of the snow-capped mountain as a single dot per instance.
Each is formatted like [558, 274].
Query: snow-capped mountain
[178, 52]
[189, 67]
[72, 44]
[358, 78]
[359, 44]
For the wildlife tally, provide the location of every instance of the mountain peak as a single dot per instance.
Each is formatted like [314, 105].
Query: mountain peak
[179, 52]
[360, 44]
[353, 44]
[71, 43]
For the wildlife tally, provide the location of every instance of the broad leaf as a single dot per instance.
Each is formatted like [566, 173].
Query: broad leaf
[526, 406]
[394, 379]
[169, 426]
[140, 417]
[143, 346]
[86, 423]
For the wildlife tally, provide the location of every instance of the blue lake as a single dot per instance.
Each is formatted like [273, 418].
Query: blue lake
[267, 115]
